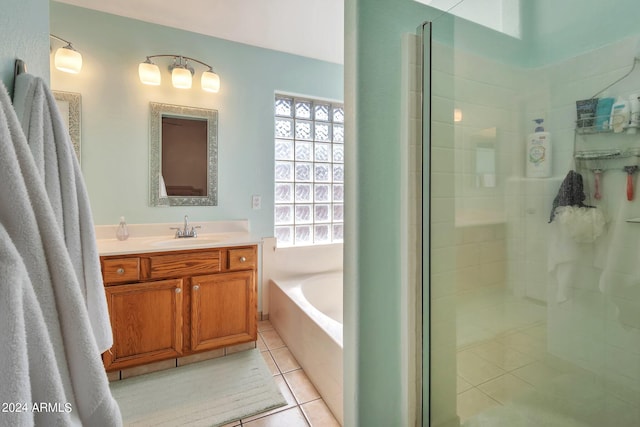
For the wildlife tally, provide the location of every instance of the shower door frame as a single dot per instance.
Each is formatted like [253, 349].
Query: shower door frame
[424, 221]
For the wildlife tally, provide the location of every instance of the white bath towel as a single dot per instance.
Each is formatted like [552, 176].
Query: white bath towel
[27, 216]
[28, 368]
[56, 161]
[577, 236]
[620, 279]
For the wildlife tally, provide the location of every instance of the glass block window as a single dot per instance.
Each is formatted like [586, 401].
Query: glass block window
[309, 171]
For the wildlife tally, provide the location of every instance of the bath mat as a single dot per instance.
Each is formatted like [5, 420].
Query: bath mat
[210, 393]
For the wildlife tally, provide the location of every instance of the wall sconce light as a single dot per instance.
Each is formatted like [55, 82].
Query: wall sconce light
[67, 59]
[181, 73]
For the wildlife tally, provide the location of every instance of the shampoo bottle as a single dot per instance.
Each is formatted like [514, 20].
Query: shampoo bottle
[539, 152]
[603, 114]
[620, 114]
[122, 233]
[634, 109]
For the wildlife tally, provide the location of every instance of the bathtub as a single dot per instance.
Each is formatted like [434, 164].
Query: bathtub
[307, 313]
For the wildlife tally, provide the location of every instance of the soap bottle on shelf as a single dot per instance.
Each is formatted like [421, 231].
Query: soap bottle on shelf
[122, 233]
[634, 107]
[539, 152]
[620, 113]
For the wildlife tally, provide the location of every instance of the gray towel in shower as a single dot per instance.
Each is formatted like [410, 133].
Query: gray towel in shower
[571, 193]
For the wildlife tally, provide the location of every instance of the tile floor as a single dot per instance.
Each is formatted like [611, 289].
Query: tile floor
[305, 407]
[493, 372]
[511, 373]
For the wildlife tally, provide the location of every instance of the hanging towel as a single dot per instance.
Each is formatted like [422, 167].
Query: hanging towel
[28, 369]
[56, 161]
[573, 239]
[620, 279]
[571, 193]
[27, 216]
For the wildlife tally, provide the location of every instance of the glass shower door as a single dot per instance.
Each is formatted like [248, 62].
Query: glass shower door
[523, 326]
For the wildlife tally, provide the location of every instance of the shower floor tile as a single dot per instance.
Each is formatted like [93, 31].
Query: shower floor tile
[472, 402]
[463, 385]
[537, 373]
[476, 370]
[502, 356]
[505, 372]
[505, 388]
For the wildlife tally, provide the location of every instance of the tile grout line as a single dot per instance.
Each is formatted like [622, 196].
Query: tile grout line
[298, 404]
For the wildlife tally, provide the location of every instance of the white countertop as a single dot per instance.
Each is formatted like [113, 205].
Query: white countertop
[134, 245]
[144, 238]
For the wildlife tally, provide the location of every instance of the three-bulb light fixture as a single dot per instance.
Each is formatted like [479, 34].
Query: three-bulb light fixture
[67, 59]
[181, 73]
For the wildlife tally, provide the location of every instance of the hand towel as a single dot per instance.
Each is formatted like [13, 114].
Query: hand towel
[28, 218]
[56, 161]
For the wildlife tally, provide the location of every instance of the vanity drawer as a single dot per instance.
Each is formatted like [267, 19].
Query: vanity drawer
[119, 270]
[241, 259]
[176, 265]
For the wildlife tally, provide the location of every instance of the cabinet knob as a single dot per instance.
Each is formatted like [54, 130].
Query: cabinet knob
[243, 259]
[196, 287]
[178, 290]
[120, 271]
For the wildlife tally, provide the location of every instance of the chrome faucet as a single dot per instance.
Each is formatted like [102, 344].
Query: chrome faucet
[185, 232]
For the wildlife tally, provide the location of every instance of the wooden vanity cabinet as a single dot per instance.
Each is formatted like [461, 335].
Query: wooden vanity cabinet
[170, 304]
[146, 319]
[223, 310]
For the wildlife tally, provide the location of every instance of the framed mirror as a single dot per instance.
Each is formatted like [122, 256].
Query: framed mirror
[183, 156]
[69, 104]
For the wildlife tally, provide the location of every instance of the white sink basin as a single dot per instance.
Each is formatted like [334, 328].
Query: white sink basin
[187, 241]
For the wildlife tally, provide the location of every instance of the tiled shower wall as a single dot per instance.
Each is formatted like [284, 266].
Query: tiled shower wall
[586, 329]
[499, 101]
[469, 211]
[468, 240]
[442, 248]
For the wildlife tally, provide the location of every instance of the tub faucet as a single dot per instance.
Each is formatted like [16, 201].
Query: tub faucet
[185, 232]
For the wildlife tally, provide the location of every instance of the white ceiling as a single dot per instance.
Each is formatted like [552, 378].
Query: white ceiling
[309, 28]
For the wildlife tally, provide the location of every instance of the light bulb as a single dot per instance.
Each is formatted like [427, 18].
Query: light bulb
[181, 78]
[68, 59]
[210, 81]
[149, 73]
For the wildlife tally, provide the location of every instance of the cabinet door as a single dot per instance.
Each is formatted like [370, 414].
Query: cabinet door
[223, 310]
[146, 319]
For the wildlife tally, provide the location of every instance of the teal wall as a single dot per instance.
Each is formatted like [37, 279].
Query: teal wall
[24, 31]
[562, 29]
[373, 30]
[115, 112]
[115, 137]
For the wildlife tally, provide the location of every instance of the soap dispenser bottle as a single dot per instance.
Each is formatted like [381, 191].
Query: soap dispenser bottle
[122, 233]
[539, 152]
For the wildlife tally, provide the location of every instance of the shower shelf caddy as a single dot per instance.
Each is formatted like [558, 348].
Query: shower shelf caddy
[612, 159]
[586, 127]
[623, 147]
